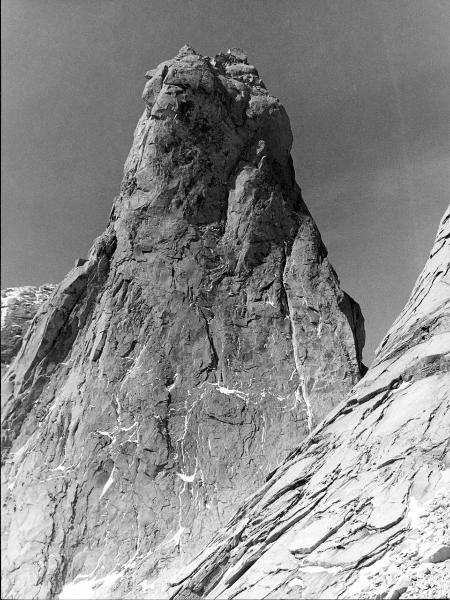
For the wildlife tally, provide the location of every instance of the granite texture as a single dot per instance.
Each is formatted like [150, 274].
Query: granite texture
[205, 336]
[19, 306]
[360, 509]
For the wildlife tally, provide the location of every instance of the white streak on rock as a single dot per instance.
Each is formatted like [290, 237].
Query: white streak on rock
[307, 402]
[187, 478]
[109, 483]
[231, 392]
[171, 387]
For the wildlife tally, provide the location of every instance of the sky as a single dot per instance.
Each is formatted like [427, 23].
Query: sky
[366, 85]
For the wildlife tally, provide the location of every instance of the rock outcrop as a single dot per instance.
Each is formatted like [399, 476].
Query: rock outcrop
[360, 509]
[19, 305]
[202, 339]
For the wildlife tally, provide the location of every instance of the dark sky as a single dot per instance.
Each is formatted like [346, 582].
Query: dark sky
[366, 84]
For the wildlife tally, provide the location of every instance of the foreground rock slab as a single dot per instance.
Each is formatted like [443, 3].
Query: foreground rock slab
[360, 509]
[202, 339]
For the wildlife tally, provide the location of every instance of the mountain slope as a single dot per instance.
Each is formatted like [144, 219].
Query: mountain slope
[204, 337]
[364, 501]
[19, 305]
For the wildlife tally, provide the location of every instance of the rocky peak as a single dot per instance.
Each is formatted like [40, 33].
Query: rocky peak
[186, 50]
[203, 338]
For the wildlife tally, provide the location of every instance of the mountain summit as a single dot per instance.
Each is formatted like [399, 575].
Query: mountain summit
[200, 342]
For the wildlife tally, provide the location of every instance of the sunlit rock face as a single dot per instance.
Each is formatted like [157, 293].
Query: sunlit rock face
[360, 509]
[19, 305]
[200, 342]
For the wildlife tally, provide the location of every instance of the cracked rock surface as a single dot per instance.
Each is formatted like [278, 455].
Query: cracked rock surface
[202, 339]
[19, 305]
[360, 509]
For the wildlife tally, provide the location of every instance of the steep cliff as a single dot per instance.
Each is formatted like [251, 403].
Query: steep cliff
[203, 338]
[19, 305]
[360, 509]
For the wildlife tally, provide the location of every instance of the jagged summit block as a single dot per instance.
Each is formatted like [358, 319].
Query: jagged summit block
[203, 338]
[360, 506]
[185, 50]
[238, 53]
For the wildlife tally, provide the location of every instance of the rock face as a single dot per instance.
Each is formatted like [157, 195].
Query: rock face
[360, 509]
[200, 342]
[19, 305]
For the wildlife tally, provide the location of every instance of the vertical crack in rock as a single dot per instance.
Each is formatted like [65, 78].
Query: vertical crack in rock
[168, 374]
[301, 389]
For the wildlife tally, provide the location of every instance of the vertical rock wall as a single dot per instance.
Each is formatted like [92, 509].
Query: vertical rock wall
[203, 338]
[360, 509]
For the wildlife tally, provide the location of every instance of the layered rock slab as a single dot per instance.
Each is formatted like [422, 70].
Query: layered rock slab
[204, 336]
[360, 509]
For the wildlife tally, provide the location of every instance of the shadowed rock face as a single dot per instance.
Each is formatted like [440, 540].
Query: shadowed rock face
[19, 305]
[200, 342]
[358, 508]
